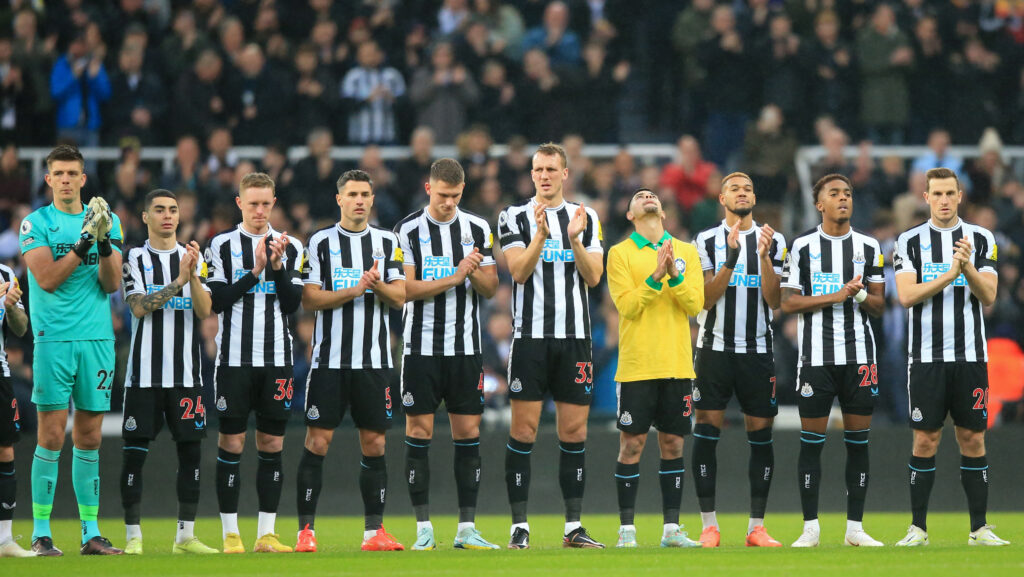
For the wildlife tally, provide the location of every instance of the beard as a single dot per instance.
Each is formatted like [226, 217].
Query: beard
[742, 212]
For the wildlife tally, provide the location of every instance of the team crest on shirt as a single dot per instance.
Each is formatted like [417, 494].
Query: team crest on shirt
[806, 391]
[313, 413]
[222, 404]
[467, 239]
[407, 399]
[696, 394]
[130, 424]
[626, 419]
[916, 415]
[26, 226]
[858, 258]
[680, 265]
[378, 253]
[516, 386]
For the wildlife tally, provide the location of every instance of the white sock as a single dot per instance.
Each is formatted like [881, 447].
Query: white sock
[812, 525]
[852, 526]
[525, 526]
[571, 526]
[469, 525]
[423, 525]
[709, 519]
[229, 524]
[265, 525]
[670, 528]
[132, 531]
[5, 531]
[186, 530]
[369, 534]
[753, 523]
[627, 527]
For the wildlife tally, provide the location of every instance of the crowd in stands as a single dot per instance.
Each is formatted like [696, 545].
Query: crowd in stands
[747, 81]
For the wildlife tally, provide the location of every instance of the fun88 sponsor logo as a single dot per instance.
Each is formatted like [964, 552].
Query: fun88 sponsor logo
[176, 303]
[435, 267]
[344, 278]
[264, 286]
[825, 283]
[740, 278]
[933, 270]
[553, 252]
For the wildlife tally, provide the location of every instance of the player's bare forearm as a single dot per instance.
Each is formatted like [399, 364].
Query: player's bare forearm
[202, 303]
[983, 285]
[523, 261]
[911, 292]
[589, 264]
[770, 284]
[17, 320]
[392, 293]
[110, 272]
[315, 298]
[715, 286]
[49, 273]
[795, 303]
[874, 304]
[484, 281]
[142, 305]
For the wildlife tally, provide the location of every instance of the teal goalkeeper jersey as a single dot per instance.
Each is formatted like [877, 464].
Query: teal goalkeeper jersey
[79, 309]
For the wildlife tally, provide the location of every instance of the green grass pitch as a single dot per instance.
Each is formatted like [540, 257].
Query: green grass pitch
[339, 554]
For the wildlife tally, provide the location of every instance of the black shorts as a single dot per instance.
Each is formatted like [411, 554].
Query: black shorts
[458, 381]
[749, 376]
[267, 391]
[856, 387]
[961, 389]
[562, 367]
[664, 403]
[10, 420]
[145, 411]
[365, 393]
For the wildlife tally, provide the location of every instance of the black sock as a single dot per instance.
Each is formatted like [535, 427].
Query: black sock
[857, 469]
[922, 477]
[373, 484]
[417, 475]
[467, 477]
[268, 481]
[189, 455]
[309, 481]
[517, 477]
[134, 457]
[809, 469]
[974, 478]
[671, 474]
[228, 480]
[8, 490]
[627, 483]
[572, 478]
[760, 470]
[705, 464]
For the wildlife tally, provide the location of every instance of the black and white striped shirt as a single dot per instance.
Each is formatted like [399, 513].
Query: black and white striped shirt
[446, 324]
[371, 122]
[6, 275]
[819, 264]
[356, 334]
[253, 331]
[165, 343]
[740, 322]
[553, 301]
[950, 326]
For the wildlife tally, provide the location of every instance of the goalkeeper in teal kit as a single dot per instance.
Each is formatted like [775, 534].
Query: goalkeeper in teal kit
[73, 253]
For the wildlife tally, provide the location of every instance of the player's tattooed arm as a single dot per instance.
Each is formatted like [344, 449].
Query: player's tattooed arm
[16, 318]
[142, 305]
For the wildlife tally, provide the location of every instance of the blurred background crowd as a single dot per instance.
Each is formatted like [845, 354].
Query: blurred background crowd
[745, 82]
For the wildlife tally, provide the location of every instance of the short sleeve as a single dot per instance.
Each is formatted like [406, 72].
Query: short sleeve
[987, 253]
[393, 262]
[295, 257]
[874, 271]
[791, 271]
[487, 247]
[310, 273]
[702, 254]
[132, 280]
[202, 272]
[901, 258]
[214, 264]
[116, 233]
[593, 235]
[508, 231]
[406, 246]
[778, 252]
[32, 233]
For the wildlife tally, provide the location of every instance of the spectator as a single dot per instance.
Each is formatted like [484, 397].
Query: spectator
[79, 86]
[316, 176]
[505, 26]
[687, 178]
[16, 97]
[885, 58]
[202, 98]
[370, 91]
[768, 153]
[599, 91]
[832, 73]
[263, 96]
[137, 103]
[498, 106]
[443, 93]
[414, 170]
[938, 155]
[187, 173]
[219, 151]
[181, 48]
[607, 22]
[316, 101]
[476, 47]
[782, 64]
[928, 80]
[547, 97]
[475, 155]
[15, 187]
[231, 35]
[554, 37]
[975, 77]
[452, 16]
[688, 32]
[35, 57]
